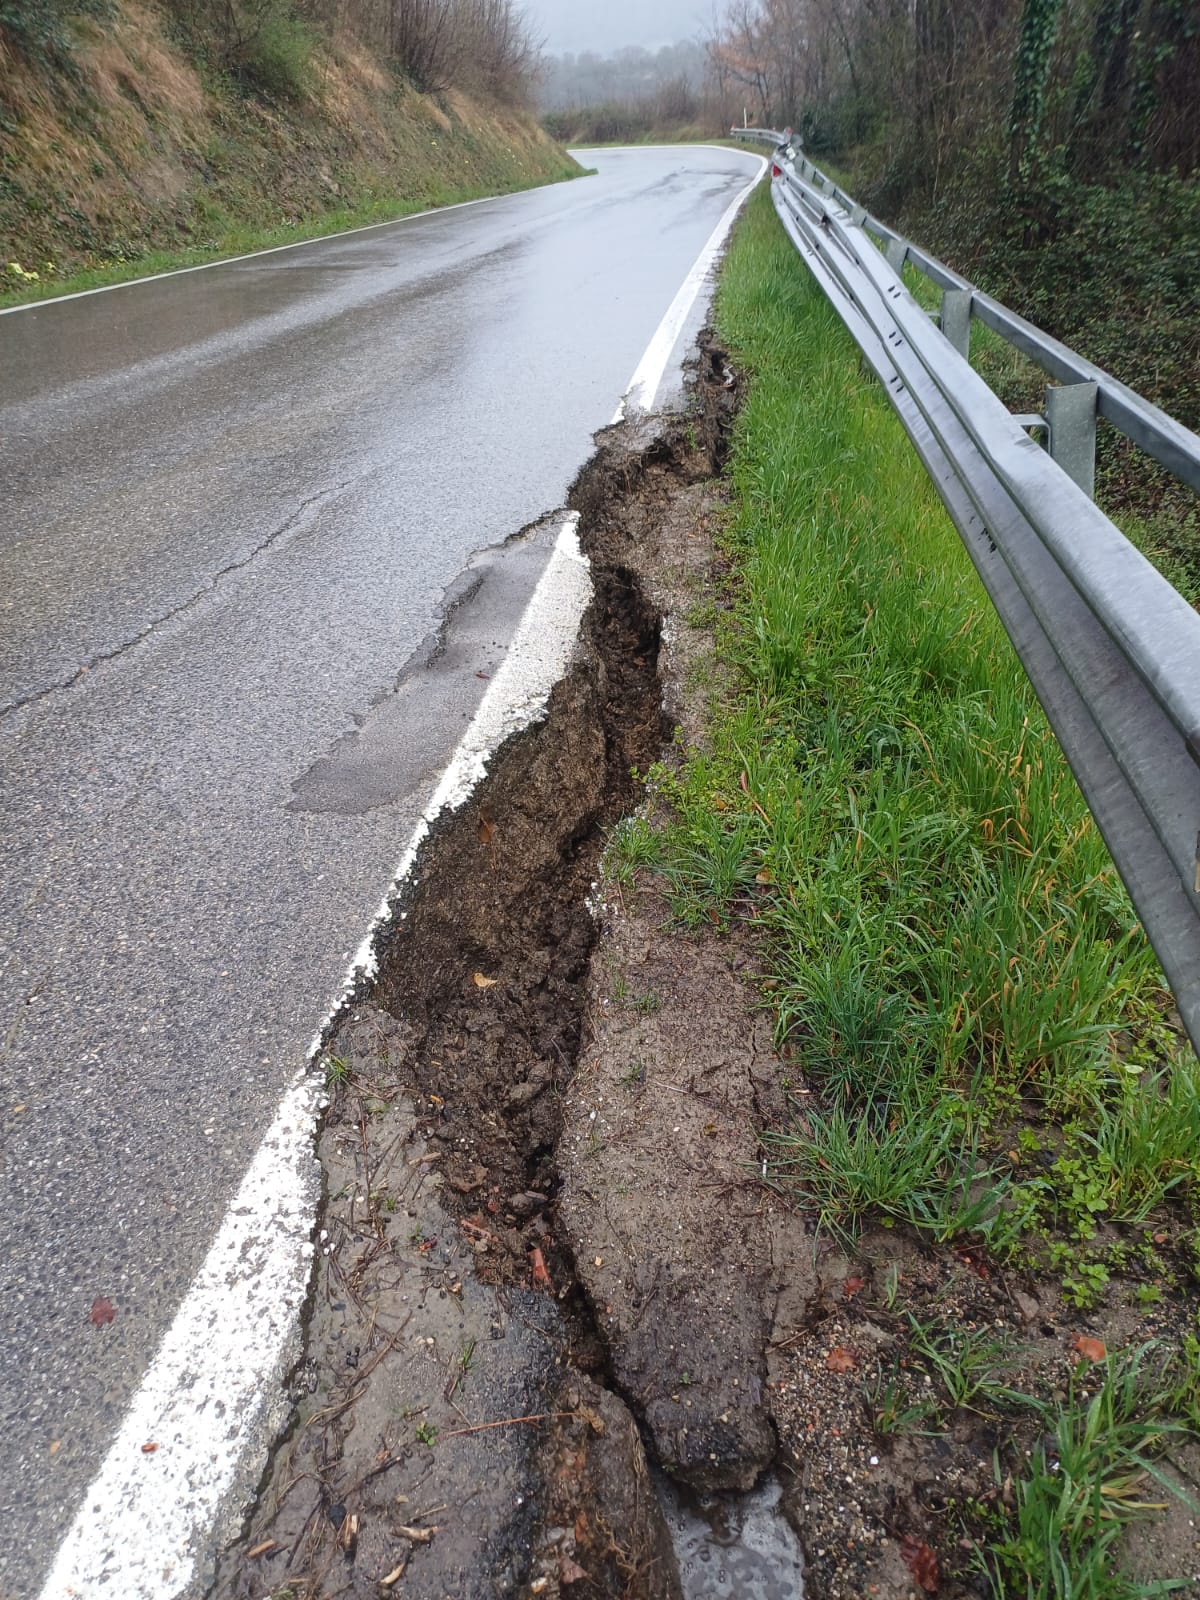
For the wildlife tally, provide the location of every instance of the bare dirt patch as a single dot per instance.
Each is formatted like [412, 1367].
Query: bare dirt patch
[549, 1269]
[454, 1426]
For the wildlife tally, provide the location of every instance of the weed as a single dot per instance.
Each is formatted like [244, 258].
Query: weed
[892, 1409]
[969, 1363]
[1095, 1473]
[905, 1166]
[426, 1433]
[631, 845]
[891, 1286]
[337, 1072]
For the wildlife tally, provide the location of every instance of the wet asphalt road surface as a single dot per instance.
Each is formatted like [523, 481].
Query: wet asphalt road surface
[234, 502]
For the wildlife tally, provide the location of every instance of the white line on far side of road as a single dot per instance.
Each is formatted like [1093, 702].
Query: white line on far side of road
[643, 386]
[249, 255]
[140, 1528]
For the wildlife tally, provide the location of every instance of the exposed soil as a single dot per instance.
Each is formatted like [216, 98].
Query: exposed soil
[549, 1269]
[453, 1377]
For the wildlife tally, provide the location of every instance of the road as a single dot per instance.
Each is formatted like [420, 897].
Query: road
[238, 502]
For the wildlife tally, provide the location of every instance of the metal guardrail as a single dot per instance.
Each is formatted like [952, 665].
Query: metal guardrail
[1112, 650]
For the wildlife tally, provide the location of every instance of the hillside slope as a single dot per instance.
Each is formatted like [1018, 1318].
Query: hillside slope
[135, 147]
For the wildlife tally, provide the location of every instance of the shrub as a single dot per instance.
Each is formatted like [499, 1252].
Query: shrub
[277, 57]
[41, 28]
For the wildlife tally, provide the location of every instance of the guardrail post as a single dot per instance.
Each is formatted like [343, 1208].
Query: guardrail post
[858, 214]
[955, 320]
[895, 253]
[1071, 416]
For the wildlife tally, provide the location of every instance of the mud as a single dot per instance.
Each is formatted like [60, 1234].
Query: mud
[661, 1200]
[562, 1340]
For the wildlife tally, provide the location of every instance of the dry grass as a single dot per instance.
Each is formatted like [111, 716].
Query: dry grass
[138, 154]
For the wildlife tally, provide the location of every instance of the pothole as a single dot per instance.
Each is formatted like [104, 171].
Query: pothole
[460, 1424]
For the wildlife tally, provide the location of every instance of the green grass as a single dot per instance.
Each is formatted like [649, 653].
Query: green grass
[1095, 1472]
[236, 239]
[946, 936]
[954, 967]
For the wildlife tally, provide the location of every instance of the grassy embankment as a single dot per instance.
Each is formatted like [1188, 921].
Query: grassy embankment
[978, 1022]
[137, 157]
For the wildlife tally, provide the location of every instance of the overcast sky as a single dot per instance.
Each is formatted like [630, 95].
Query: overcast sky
[606, 25]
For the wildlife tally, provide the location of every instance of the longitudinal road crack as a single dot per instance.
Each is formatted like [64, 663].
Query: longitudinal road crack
[103, 657]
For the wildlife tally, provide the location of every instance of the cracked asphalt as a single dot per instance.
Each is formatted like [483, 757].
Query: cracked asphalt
[235, 502]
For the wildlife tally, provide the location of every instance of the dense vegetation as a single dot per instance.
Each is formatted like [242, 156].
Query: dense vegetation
[594, 99]
[1049, 149]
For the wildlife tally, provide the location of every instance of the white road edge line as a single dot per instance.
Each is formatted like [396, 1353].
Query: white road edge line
[135, 1533]
[249, 255]
[137, 1530]
[643, 386]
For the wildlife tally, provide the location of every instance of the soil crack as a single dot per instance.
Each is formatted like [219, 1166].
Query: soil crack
[459, 1420]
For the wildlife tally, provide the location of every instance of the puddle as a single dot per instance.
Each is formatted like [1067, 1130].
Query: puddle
[733, 1544]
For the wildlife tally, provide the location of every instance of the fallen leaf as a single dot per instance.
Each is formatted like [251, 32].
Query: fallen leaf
[537, 1265]
[149, 1449]
[853, 1286]
[260, 1549]
[921, 1561]
[418, 1535]
[841, 1359]
[763, 877]
[569, 1571]
[393, 1576]
[1089, 1349]
[55, 1446]
[487, 828]
[102, 1313]
[481, 982]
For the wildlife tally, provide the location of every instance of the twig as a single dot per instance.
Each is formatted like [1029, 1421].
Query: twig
[507, 1422]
